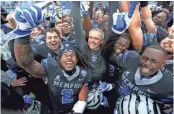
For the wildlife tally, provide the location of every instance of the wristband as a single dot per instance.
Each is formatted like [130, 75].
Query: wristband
[79, 107]
[11, 74]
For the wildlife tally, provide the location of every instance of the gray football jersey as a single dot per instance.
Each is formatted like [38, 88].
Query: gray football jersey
[159, 90]
[168, 68]
[64, 89]
[96, 61]
[42, 51]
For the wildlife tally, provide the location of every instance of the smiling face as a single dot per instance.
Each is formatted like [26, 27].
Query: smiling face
[100, 18]
[35, 32]
[168, 43]
[160, 19]
[52, 40]
[121, 45]
[106, 17]
[151, 61]
[95, 40]
[68, 60]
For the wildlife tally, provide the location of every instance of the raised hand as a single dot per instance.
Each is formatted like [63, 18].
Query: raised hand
[27, 18]
[121, 21]
[53, 16]
[84, 6]
[11, 21]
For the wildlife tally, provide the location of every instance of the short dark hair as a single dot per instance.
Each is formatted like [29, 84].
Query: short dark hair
[125, 36]
[66, 22]
[64, 16]
[51, 30]
[158, 47]
[59, 22]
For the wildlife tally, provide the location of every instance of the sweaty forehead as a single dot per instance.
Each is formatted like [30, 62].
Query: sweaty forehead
[154, 54]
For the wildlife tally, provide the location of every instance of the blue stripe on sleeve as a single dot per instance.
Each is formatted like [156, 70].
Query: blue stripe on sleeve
[148, 38]
[45, 64]
[124, 56]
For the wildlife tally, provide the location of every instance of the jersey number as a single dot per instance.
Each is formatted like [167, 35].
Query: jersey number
[66, 96]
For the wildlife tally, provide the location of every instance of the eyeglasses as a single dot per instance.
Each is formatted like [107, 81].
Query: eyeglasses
[69, 55]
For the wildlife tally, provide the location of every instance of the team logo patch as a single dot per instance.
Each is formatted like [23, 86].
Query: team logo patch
[57, 78]
[83, 73]
[94, 58]
[66, 45]
[124, 89]
[126, 73]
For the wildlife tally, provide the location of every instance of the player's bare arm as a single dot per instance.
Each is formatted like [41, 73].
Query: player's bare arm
[25, 57]
[83, 93]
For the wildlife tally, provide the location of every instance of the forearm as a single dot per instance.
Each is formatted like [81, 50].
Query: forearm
[87, 24]
[135, 30]
[25, 57]
[78, 27]
[80, 105]
[124, 6]
[113, 5]
[23, 51]
[137, 38]
[147, 19]
[91, 9]
[83, 93]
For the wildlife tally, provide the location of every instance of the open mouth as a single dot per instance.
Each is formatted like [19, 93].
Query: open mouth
[33, 34]
[145, 70]
[92, 44]
[69, 64]
[167, 44]
[54, 45]
[118, 50]
[66, 29]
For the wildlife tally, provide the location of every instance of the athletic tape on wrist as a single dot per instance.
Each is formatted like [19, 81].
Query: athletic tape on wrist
[79, 106]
